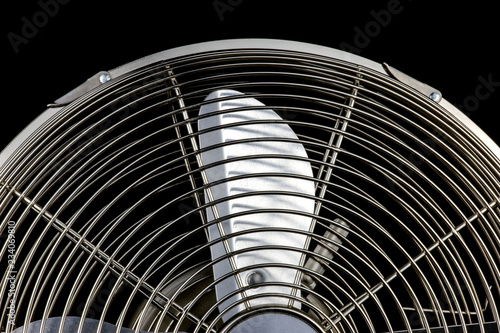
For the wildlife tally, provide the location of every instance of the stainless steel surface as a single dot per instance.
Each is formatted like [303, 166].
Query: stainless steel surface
[247, 44]
[107, 199]
[424, 88]
[91, 83]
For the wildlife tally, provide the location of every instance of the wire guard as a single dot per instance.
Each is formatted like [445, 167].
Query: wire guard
[225, 189]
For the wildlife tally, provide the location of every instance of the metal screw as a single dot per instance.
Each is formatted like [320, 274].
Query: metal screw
[104, 77]
[254, 278]
[435, 96]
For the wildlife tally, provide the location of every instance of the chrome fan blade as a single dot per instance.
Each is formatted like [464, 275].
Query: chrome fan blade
[267, 164]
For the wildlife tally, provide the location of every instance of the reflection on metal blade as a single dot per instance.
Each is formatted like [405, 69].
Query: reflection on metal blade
[269, 173]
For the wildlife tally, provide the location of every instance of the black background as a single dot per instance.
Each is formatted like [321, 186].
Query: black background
[445, 44]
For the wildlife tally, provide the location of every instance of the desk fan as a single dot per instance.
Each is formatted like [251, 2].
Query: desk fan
[250, 186]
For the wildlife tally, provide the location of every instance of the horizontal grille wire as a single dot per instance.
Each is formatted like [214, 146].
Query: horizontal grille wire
[109, 216]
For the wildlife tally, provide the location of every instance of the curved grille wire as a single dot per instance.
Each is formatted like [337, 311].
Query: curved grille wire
[106, 202]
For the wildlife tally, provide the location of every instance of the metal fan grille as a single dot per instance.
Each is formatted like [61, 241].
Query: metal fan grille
[106, 200]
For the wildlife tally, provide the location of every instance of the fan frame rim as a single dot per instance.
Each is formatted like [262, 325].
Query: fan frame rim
[9, 151]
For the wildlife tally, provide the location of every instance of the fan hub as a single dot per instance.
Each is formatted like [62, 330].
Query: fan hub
[273, 322]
